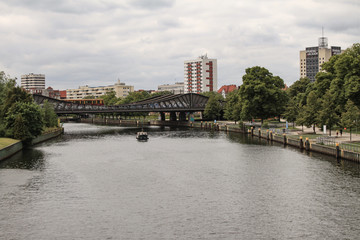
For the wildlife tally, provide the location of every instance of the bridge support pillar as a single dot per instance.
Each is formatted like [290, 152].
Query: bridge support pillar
[162, 116]
[173, 116]
[182, 116]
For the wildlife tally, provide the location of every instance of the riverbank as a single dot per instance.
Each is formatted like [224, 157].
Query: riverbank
[306, 144]
[12, 146]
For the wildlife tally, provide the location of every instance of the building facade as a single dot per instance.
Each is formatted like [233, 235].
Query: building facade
[200, 75]
[312, 57]
[120, 89]
[177, 88]
[33, 81]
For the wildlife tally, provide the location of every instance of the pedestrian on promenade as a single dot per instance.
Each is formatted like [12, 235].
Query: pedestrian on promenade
[340, 132]
[337, 133]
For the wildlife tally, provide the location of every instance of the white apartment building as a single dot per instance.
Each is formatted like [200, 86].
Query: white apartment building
[33, 81]
[200, 75]
[312, 57]
[177, 88]
[119, 88]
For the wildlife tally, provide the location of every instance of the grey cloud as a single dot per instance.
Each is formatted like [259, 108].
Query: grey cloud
[153, 4]
[66, 6]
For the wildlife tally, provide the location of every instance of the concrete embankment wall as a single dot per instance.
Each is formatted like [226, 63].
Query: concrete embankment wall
[47, 136]
[284, 139]
[16, 147]
[10, 150]
[307, 145]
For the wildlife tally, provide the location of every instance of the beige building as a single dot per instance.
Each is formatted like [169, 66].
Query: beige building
[312, 57]
[200, 75]
[177, 88]
[33, 81]
[119, 88]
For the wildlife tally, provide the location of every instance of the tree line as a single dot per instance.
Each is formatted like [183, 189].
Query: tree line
[332, 100]
[20, 117]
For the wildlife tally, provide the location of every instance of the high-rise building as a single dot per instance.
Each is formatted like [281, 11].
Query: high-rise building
[200, 75]
[312, 57]
[33, 81]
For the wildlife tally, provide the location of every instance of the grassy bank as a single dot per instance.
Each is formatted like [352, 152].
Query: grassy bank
[4, 142]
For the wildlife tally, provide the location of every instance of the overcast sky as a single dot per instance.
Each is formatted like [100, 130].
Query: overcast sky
[144, 43]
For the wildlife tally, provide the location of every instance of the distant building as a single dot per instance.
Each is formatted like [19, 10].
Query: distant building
[63, 94]
[120, 89]
[312, 57]
[177, 88]
[50, 92]
[33, 81]
[224, 90]
[200, 75]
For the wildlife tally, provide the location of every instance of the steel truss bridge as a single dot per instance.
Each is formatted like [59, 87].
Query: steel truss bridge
[182, 103]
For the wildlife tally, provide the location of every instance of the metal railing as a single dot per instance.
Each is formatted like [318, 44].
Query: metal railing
[350, 147]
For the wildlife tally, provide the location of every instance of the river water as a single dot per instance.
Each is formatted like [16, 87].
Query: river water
[98, 182]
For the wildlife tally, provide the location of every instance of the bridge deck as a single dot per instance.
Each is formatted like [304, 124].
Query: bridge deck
[189, 102]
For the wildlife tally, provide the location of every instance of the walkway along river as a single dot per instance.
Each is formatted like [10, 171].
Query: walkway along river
[98, 182]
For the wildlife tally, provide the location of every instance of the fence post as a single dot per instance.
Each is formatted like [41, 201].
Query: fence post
[337, 154]
[307, 144]
[271, 135]
[259, 132]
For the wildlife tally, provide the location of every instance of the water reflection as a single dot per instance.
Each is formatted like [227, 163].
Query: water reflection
[30, 158]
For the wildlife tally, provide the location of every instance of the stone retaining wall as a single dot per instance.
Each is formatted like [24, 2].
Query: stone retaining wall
[10, 150]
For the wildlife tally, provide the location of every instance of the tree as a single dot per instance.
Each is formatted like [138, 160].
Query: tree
[350, 116]
[49, 115]
[110, 98]
[20, 131]
[233, 106]
[309, 112]
[292, 110]
[14, 95]
[328, 114]
[135, 97]
[261, 94]
[213, 108]
[31, 118]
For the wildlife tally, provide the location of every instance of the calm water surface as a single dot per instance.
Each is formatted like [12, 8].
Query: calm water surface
[98, 182]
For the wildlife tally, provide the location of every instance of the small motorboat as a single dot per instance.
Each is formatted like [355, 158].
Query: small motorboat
[142, 136]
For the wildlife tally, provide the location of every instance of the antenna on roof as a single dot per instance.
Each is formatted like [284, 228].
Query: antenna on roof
[323, 41]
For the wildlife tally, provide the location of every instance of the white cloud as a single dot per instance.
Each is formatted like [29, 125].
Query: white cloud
[144, 43]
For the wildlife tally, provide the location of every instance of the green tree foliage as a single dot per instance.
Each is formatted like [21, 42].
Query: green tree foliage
[135, 97]
[233, 106]
[350, 116]
[6, 84]
[31, 117]
[49, 115]
[292, 110]
[308, 114]
[110, 98]
[328, 114]
[20, 131]
[14, 95]
[213, 109]
[261, 94]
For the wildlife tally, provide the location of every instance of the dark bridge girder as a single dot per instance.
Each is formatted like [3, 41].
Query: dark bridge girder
[189, 102]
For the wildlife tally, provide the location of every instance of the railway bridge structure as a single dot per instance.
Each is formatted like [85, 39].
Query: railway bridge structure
[178, 103]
